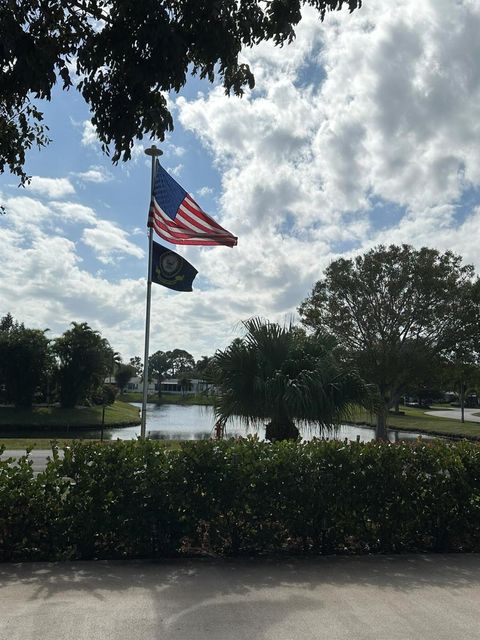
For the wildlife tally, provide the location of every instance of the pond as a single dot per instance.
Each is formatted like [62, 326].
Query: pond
[194, 422]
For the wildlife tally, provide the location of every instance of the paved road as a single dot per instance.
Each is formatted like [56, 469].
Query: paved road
[456, 414]
[366, 598]
[38, 456]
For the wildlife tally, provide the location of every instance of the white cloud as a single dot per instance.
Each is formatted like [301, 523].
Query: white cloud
[74, 212]
[45, 282]
[89, 134]
[395, 115]
[382, 104]
[172, 149]
[408, 114]
[25, 214]
[109, 241]
[177, 170]
[439, 223]
[49, 288]
[51, 187]
[205, 191]
[48, 284]
[95, 173]
[137, 151]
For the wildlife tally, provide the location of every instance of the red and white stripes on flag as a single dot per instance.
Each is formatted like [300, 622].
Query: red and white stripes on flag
[191, 225]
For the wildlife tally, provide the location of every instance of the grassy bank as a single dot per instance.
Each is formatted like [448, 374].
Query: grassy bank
[414, 419]
[170, 398]
[39, 443]
[46, 443]
[118, 414]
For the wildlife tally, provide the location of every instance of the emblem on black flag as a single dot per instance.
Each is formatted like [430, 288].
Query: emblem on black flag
[171, 270]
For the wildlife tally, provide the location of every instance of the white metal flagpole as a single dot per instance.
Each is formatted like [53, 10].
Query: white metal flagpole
[154, 153]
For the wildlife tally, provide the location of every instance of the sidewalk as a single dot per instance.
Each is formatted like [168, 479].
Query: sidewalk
[456, 414]
[336, 598]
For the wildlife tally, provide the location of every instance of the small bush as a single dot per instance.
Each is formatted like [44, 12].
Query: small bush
[139, 499]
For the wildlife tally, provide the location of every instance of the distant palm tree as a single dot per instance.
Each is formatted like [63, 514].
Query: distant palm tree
[184, 385]
[282, 375]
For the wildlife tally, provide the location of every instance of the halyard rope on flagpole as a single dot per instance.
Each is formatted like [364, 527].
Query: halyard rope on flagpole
[154, 153]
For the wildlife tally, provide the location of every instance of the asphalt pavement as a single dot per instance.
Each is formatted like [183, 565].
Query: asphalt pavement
[421, 597]
[39, 457]
[456, 414]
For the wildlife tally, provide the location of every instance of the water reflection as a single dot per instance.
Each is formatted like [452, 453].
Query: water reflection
[194, 422]
[179, 435]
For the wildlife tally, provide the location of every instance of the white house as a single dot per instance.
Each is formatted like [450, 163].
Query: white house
[172, 385]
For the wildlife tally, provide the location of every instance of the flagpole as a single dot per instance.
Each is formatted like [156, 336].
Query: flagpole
[154, 153]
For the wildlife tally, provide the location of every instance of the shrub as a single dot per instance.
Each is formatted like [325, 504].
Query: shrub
[139, 499]
[105, 394]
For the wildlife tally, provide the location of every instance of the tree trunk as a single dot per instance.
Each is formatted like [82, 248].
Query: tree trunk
[276, 430]
[381, 428]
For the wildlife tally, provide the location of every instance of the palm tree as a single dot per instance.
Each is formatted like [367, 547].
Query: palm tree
[184, 385]
[282, 375]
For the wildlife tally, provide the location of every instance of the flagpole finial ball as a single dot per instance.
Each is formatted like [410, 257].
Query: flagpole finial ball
[153, 151]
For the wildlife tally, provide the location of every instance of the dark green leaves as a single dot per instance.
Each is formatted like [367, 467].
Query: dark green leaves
[280, 373]
[24, 360]
[138, 499]
[397, 313]
[128, 56]
[84, 360]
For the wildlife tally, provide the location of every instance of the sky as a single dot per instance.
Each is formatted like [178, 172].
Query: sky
[365, 130]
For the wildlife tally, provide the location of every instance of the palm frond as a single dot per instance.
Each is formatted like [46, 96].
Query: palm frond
[280, 374]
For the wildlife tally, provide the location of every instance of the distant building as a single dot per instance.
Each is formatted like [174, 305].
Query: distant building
[172, 385]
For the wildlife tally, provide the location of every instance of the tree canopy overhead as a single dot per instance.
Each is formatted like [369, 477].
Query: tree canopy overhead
[124, 57]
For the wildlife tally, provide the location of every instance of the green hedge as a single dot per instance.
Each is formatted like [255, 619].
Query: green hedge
[133, 499]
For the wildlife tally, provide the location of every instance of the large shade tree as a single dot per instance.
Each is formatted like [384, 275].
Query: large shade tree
[201, 366]
[7, 324]
[397, 313]
[169, 363]
[85, 359]
[180, 361]
[124, 57]
[280, 376]
[158, 366]
[24, 360]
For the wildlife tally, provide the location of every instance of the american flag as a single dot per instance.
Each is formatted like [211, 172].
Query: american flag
[178, 219]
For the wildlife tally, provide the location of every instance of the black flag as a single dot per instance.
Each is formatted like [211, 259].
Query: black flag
[171, 270]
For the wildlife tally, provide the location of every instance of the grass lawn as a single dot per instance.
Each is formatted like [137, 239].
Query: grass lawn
[38, 443]
[46, 443]
[120, 413]
[168, 398]
[416, 420]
